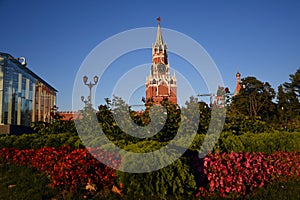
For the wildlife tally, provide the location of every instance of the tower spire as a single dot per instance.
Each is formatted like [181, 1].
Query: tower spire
[238, 83]
[159, 39]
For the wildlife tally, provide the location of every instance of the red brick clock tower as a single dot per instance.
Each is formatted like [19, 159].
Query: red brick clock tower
[159, 84]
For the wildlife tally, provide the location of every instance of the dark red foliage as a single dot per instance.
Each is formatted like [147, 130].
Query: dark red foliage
[237, 174]
[68, 169]
[228, 174]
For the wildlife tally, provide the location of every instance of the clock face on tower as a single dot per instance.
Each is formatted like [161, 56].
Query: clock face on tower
[161, 68]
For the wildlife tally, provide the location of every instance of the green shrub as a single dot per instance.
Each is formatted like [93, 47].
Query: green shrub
[36, 141]
[240, 124]
[197, 142]
[229, 142]
[266, 142]
[7, 141]
[251, 142]
[54, 127]
[176, 180]
[270, 142]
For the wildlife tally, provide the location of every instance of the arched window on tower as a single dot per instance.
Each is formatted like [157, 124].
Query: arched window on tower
[157, 49]
[154, 81]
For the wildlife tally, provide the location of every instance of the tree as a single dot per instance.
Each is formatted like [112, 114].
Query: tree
[289, 101]
[283, 107]
[205, 115]
[254, 99]
[294, 85]
[292, 93]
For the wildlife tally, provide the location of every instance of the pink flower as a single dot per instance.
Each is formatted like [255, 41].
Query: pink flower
[229, 179]
[239, 188]
[212, 186]
[228, 189]
[261, 184]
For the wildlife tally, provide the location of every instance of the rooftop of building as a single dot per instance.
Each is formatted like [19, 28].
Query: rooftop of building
[26, 69]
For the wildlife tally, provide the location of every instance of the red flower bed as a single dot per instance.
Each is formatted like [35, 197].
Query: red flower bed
[236, 174]
[68, 169]
[227, 174]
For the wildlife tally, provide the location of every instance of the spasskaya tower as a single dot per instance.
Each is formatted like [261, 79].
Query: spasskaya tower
[160, 84]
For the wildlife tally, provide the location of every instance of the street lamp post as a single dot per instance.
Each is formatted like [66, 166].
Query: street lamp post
[85, 101]
[90, 86]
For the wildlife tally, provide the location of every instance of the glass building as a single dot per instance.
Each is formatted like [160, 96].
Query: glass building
[24, 96]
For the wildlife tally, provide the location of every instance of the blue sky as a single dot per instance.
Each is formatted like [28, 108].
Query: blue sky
[257, 38]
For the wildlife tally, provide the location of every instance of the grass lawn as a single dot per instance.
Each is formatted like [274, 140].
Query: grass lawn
[23, 183]
[280, 190]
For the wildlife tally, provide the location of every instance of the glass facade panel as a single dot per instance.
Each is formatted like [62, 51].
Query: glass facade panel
[21, 91]
[16, 109]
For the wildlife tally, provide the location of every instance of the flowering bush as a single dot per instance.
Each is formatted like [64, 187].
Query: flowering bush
[227, 174]
[69, 169]
[236, 174]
